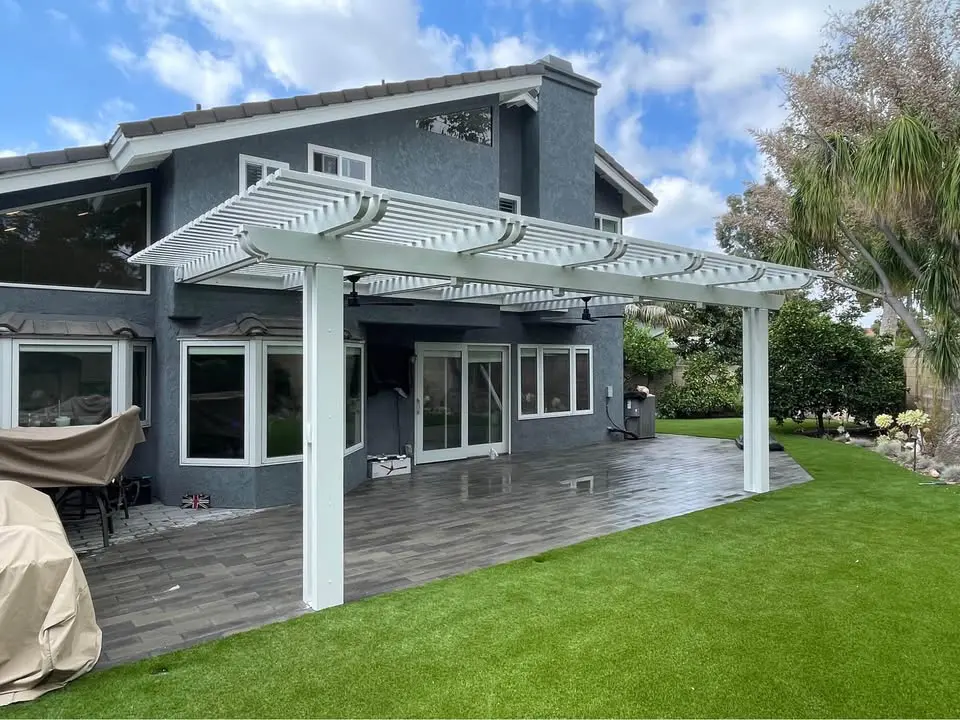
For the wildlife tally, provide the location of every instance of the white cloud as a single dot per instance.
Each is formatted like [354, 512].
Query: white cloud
[257, 95]
[8, 153]
[685, 215]
[63, 21]
[198, 74]
[323, 44]
[73, 131]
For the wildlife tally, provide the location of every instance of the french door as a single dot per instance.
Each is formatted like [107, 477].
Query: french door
[462, 403]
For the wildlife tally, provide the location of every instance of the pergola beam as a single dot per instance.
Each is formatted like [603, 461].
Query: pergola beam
[297, 248]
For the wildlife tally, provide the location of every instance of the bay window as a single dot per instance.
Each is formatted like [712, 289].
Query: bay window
[242, 401]
[68, 382]
[555, 381]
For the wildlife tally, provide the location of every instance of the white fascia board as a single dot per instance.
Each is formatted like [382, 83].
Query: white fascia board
[296, 248]
[622, 184]
[233, 129]
[55, 175]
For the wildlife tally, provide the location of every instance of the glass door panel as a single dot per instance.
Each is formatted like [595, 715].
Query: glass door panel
[485, 370]
[442, 403]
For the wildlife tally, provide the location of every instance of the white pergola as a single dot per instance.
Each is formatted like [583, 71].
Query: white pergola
[295, 230]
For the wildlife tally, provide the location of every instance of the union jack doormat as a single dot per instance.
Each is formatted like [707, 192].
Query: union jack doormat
[199, 501]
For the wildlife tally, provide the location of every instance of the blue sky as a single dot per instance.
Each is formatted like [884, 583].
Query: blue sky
[683, 80]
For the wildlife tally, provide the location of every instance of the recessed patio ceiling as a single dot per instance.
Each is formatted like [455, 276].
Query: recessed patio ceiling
[461, 253]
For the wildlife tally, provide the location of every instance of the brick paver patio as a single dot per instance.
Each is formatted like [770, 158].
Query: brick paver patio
[186, 585]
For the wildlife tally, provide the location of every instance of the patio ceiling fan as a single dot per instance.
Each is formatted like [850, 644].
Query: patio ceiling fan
[589, 317]
[355, 299]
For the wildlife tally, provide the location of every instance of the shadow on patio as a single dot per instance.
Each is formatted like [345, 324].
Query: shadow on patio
[186, 585]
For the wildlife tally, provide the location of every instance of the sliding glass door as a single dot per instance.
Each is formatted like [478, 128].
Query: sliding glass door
[461, 401]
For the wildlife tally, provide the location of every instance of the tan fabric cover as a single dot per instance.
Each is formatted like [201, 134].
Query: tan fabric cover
[70, 456]
[48, 629]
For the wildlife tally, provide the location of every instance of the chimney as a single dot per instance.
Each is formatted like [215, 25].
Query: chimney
[199, 107]
[557, 62]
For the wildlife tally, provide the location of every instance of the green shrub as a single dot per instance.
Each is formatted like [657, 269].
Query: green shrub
[644, 354]
[709, 389]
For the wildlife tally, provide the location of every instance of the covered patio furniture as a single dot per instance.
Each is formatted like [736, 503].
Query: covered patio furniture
[67, 460]
[48, 629]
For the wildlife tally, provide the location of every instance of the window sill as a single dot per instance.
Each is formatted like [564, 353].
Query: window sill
[353, 449]
[283, 460]
[544, 416]
[213, 462]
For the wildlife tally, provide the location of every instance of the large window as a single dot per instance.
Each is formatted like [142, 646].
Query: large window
[555, 381]
[283, 401]
[80, 243]
[215, 382]
[63, 382]
[474, 126]
[243, 401]
[64, 385]
[339, 163]
[254, 169]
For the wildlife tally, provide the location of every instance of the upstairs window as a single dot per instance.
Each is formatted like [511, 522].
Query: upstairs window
[81, 243]
[607, 223]
[474, 126]
[509, 203]
[339, 163]
[254, 169]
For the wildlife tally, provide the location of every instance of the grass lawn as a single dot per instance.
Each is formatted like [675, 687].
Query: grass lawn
[840, 597]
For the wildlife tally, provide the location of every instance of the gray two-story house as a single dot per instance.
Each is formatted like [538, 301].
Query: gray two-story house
[436, 371]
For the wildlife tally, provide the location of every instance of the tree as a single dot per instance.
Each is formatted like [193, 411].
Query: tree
[711, 328]
[866, 179]
[822, 366]
[644, 354]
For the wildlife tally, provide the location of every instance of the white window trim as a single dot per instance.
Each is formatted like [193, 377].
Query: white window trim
[119, 368]
[572, 351]
[601, 217]
[109, 291]
[515, 198]
[145, 412]
[363, 397]
[264, 163]
[366, 159]
[249, 393]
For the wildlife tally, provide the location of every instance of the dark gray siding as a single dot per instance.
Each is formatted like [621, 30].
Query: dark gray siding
[512, 122]
[607, 199]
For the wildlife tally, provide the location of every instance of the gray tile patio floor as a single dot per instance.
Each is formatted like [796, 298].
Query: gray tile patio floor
[186, 585]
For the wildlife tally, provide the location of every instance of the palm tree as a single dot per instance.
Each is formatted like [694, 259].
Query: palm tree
[654, 316]
[887, 202]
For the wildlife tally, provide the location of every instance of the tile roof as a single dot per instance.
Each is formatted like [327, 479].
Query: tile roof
[18, 323]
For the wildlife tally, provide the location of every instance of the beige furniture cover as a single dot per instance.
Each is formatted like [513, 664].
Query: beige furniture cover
[70, 456]
[48, 630]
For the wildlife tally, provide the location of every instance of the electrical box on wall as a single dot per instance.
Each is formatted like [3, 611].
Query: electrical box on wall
[609, 391]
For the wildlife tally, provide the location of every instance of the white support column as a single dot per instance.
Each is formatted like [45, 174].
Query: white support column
[756, 402]
[323, 436]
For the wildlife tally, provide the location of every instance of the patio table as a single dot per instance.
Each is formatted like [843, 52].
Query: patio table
[65, 460]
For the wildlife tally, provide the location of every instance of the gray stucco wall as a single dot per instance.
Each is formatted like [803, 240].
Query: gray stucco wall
[512, 123]
[607, 199]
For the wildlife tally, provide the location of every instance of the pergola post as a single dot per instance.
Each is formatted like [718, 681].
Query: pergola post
[756, 401]
[323, 436]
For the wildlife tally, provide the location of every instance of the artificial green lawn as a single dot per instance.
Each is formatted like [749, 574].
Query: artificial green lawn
[840, 597]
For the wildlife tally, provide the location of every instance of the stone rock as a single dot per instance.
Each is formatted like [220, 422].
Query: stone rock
[933, 472]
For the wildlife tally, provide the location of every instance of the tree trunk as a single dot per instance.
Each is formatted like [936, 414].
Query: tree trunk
[948, 444]
[821, 430]
[889, 321]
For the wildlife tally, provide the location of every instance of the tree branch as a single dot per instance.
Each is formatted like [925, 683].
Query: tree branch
[898, 247]
[854, 288]
[889, 296]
